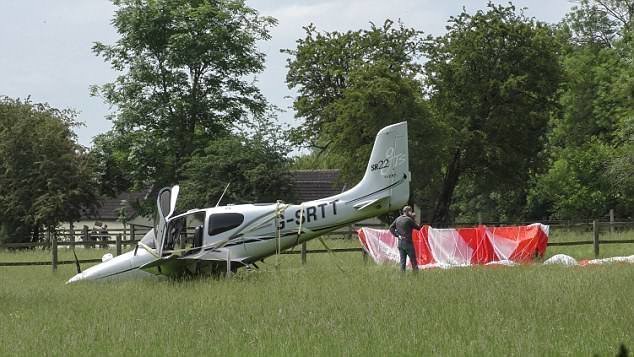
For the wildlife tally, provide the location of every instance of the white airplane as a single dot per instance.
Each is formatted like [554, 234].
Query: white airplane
[239, 235]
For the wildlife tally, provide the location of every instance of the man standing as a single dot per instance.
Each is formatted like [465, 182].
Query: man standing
[402, 228]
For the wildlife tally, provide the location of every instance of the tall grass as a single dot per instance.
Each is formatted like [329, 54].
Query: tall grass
[289, 309]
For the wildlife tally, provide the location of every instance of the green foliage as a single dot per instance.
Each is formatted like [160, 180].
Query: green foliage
[186, 69]
[256, 167]
[590, 144]
[45, 177]
[621, 166]
[622, 163]
[316, 160]
[575, 185]
[492, 77]
[321, 65]
[587, 102]
[598, 23]
[471, 204]
[113, 168]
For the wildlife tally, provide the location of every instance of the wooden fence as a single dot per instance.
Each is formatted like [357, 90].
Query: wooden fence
[131, 236]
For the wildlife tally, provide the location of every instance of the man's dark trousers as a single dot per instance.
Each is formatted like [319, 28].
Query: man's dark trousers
[405, 249]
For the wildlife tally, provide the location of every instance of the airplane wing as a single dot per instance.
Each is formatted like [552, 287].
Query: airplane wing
[184, 266]
[170, 266]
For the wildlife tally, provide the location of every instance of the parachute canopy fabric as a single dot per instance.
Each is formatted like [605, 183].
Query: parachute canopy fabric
[461, 246]
[566, 260]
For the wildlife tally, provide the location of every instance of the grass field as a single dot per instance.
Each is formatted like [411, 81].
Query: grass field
[289, 309]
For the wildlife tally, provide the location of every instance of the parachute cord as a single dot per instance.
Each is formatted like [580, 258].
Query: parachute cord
[278, 231]
[149, 250]
[299, 230]
[301, 220]
[76, 260]
[337, 261]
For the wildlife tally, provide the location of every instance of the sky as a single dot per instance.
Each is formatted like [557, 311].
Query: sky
[46, 46]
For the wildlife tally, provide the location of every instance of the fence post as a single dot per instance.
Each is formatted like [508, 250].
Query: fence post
[303, 253]
[611, 220]
[53, 239]
[132, 232]
[71, 232]
[595, 237]
[119, 244]
[228, 263]
[84, 237]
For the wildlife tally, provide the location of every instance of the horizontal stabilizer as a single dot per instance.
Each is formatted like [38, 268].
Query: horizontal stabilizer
[372, 203]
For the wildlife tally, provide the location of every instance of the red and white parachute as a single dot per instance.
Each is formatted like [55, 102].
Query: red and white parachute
[461, 246]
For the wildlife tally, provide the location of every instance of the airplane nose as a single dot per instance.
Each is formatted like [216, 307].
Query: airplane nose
[76, 278]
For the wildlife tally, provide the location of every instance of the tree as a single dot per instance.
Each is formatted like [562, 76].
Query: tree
[113, 167]
[187, 68]
[589, 146]
[45, 178]
[598, 22]
[321, 64]
[492, 77]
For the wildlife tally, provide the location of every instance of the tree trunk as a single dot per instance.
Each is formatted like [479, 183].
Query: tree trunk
[441, 212]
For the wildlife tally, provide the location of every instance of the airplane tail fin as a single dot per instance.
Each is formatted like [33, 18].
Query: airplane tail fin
[386, 180]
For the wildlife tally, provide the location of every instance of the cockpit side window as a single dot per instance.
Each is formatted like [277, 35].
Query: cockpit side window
[222, 222]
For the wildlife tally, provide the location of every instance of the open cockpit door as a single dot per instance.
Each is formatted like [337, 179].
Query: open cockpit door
[166, 205]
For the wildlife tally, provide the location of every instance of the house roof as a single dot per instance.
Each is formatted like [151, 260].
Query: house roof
[308, 185]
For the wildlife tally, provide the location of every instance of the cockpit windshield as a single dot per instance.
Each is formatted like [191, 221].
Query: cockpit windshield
[148, 239]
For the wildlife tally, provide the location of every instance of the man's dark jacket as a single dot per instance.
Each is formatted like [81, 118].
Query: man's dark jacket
[402, 227]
